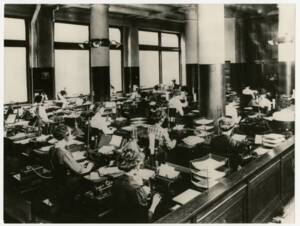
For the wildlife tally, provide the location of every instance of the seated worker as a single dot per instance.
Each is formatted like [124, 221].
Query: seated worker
[39, 113]
[224, 144]
[264, 102]
[64, 169]
[136, 93]
[231, 111]
[130, 198]
[62, 96]
[161, 135]
[174, 85]
[41, 97]
[100, 121]
[155, 89]
[178, 101]
[247, 96]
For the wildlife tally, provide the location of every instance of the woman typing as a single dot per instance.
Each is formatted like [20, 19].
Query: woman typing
[65, 168]
[130, 197]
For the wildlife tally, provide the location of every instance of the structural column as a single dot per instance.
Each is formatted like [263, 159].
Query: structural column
[41, 52]
[286, 48]
[211, 54]
[131, 61]
[191, 46]
[205, 37]
[100, 76]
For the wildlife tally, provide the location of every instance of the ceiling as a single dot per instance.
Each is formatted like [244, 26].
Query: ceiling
[166, 12]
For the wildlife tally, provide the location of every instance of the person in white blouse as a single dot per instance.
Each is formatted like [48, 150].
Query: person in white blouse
[100, 121]
[178, 101]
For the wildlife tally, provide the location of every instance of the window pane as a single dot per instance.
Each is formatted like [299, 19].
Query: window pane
[115, 69]
[148, 38]
[149, 68]
[170, 67]
[15, 82]
[72, 71]
[169, 40]
[115, 34]
[70, 32]
[14, 29]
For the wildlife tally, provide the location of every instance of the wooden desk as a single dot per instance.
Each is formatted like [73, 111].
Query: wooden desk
[252, 194]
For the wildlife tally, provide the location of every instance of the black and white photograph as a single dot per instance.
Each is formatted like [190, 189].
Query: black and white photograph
[148, 112]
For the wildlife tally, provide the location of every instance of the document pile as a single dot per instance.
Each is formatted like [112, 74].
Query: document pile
[186, 196]
[193, 140]
[79, 155]
[167, 171]
[105, 171]
[204, 171]
[147, 174]
[272, 140]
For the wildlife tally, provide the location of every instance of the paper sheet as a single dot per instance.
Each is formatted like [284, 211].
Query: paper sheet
[79, 155]
[46, 148]
[261, 150]
[186, 196]
[116, 141]
[208, 164]
[103, 171]
[239, 137]
[25, 141]
[212, 174]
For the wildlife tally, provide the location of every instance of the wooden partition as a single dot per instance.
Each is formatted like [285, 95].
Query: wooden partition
[253, 194]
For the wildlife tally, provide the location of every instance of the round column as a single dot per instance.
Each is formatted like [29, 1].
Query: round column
[286, 48]
[211, 54]
[191, 47]
[100, 56]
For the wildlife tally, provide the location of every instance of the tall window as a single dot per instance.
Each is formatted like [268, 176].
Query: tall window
[115, 59]
[159, 55]
[15, 60]
[72, 63]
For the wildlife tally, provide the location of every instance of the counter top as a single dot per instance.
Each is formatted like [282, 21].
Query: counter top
[227, 184]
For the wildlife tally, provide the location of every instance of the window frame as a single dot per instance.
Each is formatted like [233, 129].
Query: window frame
[72, 46]
[25, 44]
[161, 49]
[121, 48]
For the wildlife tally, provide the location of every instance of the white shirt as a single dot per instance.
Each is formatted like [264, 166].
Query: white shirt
[248, 91]
[264, 102]
[100, 122]
[176, 103]
[230, 110]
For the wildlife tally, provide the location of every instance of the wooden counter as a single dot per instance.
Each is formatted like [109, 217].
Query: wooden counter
[252, 194]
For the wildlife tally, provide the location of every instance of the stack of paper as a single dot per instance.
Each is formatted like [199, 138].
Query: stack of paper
[167, 171]
[79, 155]
[208, 164]
[42, 138]
[205, 183]
[147, 173]
[211, 174]
[104, 171]
[272, 140]
[18, 136]
[178, 127]
[186, 196]
[261, 150]
[203, 121]
[24, 141]
[107, 150]
[46, 148]
[239, 137]
[52, 141]
[204, 128]
[193, 140]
